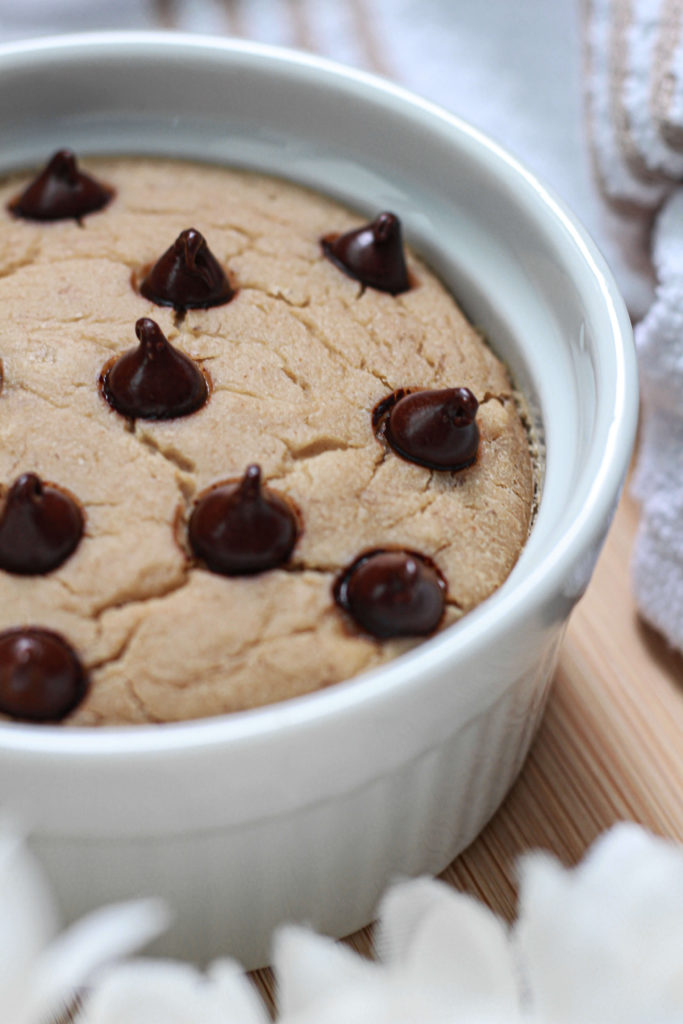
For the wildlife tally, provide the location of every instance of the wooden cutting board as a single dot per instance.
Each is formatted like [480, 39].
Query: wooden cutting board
[610, 747]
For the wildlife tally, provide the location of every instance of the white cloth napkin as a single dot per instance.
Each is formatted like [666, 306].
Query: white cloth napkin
[635, 50]
[658, 480]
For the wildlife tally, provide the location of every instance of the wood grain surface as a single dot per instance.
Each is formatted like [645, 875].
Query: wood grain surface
[610, 747]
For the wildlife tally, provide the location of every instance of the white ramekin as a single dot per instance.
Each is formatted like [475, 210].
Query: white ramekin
[306, 809]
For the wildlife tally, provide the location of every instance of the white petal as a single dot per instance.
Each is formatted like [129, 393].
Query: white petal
[98, 938]
[167, 992]
[604, 941]
[366, 1004]
[448, 943]
[462, 949]
[549, 940]
[402, 909]
[237, 992]
[28, 917]
[447, 940]
[309, 967]
[389, 1000]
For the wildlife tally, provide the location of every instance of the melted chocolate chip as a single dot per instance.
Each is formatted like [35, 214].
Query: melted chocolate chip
[41, 677]
[392, 593]
[153, 381]
[432, 428]
[60, 192]
[372, 254]
[187, 276]
[241, 527]
[40, 526]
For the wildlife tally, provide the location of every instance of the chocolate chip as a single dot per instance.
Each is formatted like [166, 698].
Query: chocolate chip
[40, 526]
[392, 593]
[60, 192]
[432, 428]
[187, 276]
[372, 254]
[41, 676]
[240, 527]
[154, 381]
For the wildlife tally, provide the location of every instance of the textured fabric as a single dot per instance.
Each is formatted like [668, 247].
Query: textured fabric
[635, 91]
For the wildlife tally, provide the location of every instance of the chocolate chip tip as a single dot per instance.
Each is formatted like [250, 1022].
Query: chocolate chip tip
[372, 254]
[155, 380]
[42, 679]
[61, 191]
[186, 276]
[41, 526]
[391, 593]
[242, 527]
[436, 429]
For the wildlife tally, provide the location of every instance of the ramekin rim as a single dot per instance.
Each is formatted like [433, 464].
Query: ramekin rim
[506, 606]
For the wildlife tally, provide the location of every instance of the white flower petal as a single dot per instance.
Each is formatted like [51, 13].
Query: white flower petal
[167, 992]
[237, 992]
[96, 939]
[28, 918]
[350, 1004]
[462, 949]
[550, 960]
[401, 910]
[309, 967]
[604, 942]
[447, 940]
[388, 1000]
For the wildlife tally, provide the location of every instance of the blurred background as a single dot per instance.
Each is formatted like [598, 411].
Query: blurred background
[512, 69]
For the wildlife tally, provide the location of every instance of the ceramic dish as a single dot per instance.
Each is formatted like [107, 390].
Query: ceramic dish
[305, 810]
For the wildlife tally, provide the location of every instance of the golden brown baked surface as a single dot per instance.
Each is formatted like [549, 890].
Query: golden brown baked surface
[298, 359]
